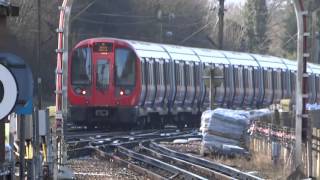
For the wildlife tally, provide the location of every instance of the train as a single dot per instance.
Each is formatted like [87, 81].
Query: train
[117, 81]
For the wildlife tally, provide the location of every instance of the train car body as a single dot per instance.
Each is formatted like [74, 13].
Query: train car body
[113, 80]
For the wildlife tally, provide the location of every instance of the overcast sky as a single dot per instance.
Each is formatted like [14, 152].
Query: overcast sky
[235, 1]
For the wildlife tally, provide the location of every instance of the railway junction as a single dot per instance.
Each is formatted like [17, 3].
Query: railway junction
[131, 109]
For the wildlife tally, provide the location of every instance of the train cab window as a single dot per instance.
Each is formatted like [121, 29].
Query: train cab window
[103, 75]
[125, 67]
[81, 66]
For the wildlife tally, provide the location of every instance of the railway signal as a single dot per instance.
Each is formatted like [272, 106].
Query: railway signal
[8, 91]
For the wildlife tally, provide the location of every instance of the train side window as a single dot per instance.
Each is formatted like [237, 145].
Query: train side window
[160, 72]
[187, 74]
[151, 72]
[191, 74]
[182, 74]
[177, 73]
[143, 76]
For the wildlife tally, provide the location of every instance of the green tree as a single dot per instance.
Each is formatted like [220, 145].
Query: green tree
[256, 20]
[289, 40]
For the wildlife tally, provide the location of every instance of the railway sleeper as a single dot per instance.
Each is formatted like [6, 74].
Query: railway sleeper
[235, 173]
[206, 172]
[157, 163]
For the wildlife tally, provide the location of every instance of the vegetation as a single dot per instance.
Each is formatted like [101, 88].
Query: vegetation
[265, 26]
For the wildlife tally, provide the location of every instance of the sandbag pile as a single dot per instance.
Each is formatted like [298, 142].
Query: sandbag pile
[225, 131]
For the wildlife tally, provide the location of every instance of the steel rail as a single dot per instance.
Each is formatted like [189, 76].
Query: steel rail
[157, 163]
[235, 173]
[128, 164]
[211, 174]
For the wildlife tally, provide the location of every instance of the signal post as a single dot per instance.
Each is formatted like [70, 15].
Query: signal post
[2, 124]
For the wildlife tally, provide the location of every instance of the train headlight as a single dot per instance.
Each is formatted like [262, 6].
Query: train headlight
[80, 91]
[121, 92]
[83, 92]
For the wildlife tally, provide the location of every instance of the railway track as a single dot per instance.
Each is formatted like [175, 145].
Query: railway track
[142, 153]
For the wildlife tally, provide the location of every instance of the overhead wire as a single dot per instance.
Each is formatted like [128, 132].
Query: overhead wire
[122, 23]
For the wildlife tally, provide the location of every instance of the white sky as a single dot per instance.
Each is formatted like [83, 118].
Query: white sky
[235, 1]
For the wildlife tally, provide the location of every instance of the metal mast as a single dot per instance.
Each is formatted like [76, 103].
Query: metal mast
[302, 120]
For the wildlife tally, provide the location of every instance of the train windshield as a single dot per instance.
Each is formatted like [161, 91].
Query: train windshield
[81, 67]
[125, 67]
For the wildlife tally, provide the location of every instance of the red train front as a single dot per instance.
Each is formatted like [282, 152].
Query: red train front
[103, 82]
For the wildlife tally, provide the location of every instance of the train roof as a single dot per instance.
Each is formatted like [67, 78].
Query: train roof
[164, 51]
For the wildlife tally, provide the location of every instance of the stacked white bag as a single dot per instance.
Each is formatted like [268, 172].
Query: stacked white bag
[225, 131]
[4, 2]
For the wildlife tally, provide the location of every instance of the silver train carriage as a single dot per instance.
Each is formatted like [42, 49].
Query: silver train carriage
[172, 79]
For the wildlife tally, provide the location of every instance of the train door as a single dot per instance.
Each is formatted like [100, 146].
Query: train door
[258, 87]
[81, 76]
[151, 83]
[229, 83]
[160, 80]
[318, 88]
[220, 91]
[143, 82]
[181, 84]
[206, 89]
[168, 82]
[127, 77]
[278, 91]
[198, 80]
[239, 85]
[293, 76]
[268, 86]
[249, 86]
[103, 87]
[286, 81]
[190, 84]
[312, 88]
